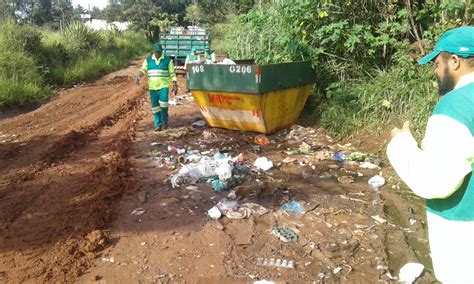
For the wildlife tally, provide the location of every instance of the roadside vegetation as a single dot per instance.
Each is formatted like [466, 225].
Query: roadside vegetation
[34, 61]
[364, 54]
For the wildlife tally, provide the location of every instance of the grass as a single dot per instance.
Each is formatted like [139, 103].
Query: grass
[34, 61]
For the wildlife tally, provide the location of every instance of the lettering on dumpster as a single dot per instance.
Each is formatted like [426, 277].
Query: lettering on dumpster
[224, 100]
[198, 69]
[242, 69]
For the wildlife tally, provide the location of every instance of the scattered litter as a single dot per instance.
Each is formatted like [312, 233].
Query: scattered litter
[208, 136]
[240, 213]
[224, 171]
[304, 148]
[376, 181]
[138, 212]
[172, 149]
[276, 262]
[263, 163]
[412, 221]
[367, 165]
[108, 259]
[261, 139]
[336, 270]
[340, 156]
[192, 188]
[285, 234]
[263, 282]
[410, 271]
[225, 205]
[155, 144]
[172, 102]
[379, 219]
[214, 213]
[257, 210]
[356, 156]
[288, 160]
[293, 206]
[199, 123]
[206, 167]
[180, 151]
[173, 132]
[345, 179]
[219, 185]
[218, 156]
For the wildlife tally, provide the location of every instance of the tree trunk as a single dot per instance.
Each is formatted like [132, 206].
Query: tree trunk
[467, 6]
[413, 26]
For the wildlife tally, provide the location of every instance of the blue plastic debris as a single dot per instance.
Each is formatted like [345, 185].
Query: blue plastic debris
[293, 206]
[218, 156]
[219, 185]
[340, 156]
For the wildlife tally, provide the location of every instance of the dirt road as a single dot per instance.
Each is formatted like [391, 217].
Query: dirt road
[73, 170]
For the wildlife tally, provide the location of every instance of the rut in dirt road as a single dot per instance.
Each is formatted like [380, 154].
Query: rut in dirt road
[62, 166]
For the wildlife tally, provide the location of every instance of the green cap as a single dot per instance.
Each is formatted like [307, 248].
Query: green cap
[157, 47]
[459, 41]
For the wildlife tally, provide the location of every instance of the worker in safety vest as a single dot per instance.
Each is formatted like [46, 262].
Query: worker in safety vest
[207, 54]
[191, 58]
[161, 73]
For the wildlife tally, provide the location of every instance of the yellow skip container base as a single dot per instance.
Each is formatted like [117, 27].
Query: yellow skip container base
[263, 113]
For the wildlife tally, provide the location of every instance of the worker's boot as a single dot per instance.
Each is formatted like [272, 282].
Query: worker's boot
[158, 128]
[165, 126]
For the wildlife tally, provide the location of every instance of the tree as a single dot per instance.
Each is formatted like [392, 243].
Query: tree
[114, 11]
[41, 12]
[62, 13]
[148, 17]
[7, 10]
[194, 14]
[96, 13]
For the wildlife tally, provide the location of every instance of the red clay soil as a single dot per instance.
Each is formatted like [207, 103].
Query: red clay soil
[62, 167]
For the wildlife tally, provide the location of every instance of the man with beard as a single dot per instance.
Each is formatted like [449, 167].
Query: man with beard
[441, 170]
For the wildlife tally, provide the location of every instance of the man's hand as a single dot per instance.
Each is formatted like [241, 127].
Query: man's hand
[405, 128]
[137, 79]
[174, 90]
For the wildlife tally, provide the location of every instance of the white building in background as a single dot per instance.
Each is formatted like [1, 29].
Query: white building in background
[97, 24]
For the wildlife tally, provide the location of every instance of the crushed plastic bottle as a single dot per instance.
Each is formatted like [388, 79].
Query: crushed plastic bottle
[285, 263]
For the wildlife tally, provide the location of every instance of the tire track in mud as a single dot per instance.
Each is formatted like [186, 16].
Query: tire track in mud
[55, 211]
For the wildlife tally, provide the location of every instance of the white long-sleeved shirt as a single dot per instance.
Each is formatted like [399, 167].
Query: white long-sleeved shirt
[438, 168]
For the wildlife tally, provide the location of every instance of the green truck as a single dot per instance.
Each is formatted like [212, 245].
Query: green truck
[179, 41]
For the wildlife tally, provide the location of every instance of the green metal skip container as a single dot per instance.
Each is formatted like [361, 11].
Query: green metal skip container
[249, 97]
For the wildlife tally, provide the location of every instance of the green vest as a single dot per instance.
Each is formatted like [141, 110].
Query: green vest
[459, 105]
[158, 74]
[192, 57]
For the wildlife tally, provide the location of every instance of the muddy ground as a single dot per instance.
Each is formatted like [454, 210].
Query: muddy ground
[74, 169]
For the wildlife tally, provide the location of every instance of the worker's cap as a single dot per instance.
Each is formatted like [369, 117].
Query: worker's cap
[459, 41]
[193, 49]
[157, 47]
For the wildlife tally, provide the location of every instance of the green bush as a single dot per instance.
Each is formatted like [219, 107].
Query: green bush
[79, 39]
[20, 82]
[19, 37]
[33, 60]
[405, 92]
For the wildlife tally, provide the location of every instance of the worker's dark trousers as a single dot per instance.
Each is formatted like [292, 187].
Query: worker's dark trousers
[159, 106]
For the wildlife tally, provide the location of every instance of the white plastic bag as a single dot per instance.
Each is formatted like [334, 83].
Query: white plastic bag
[263, 163]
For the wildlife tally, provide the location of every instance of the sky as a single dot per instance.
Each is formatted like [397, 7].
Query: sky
[85, 3]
